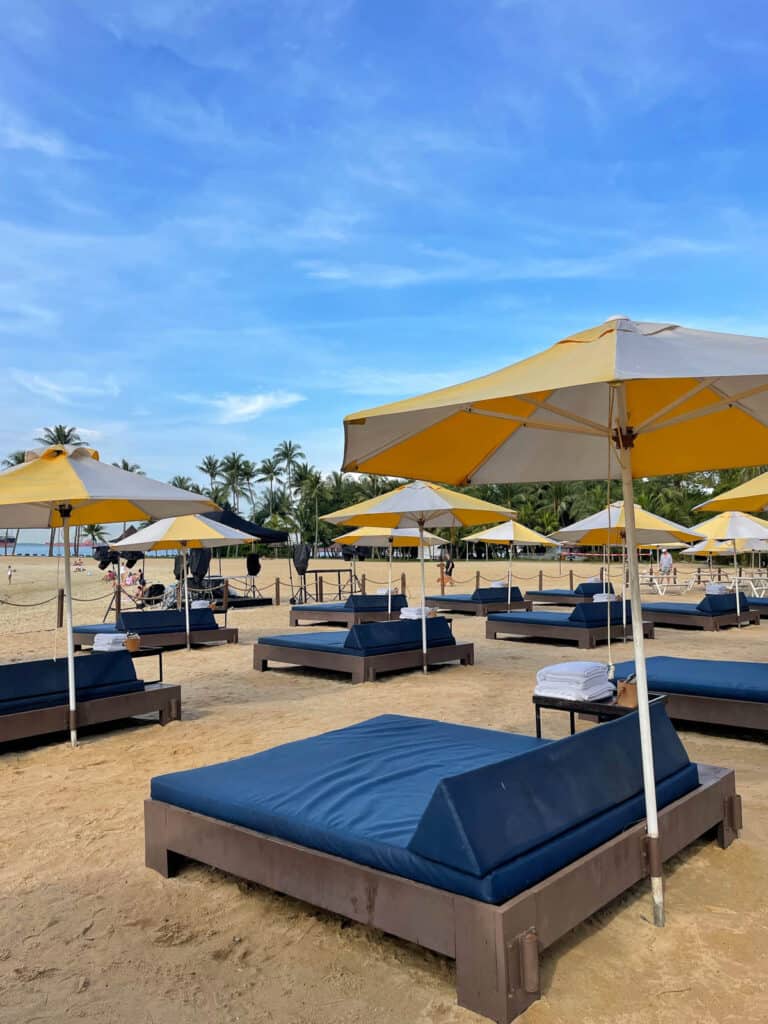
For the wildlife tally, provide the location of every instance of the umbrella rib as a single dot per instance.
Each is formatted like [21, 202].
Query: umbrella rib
[600, 431]
[701, 386]
[726, 401]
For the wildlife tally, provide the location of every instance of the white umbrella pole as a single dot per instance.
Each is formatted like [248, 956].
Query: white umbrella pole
[186, 595]
[736, 582]
[423, 598]
[66, 512]
[509, 578]
[389, 583]
[643, 710]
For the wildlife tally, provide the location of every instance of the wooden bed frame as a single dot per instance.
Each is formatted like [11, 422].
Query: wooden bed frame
[448, 604]
[160, 697]
[585, 636]
[738, 714]
[496, 947]
[361, 669]
[563, 599]
[156, 641]
[343, 617]
[709, 622]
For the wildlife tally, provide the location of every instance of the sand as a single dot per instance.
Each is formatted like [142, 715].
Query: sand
[88, 933]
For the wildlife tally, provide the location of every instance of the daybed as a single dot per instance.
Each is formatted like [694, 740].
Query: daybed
[486, 847]
[582, 594]
[161, 629]
[480, 601]
[586, 625]
[714, 611]
[34, 696]
[365, 650]
[357, 608]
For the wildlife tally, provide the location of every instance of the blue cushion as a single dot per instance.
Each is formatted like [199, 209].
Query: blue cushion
[735, 680]
[400, 635]
[533, 618]
[590, 588]
[325, 606]
[364, 791]
[374, 602]
[29, 684]
[166, 621]
[331, 641]
[758, 602]
[722, 604]
[97, 627]
[551, 593]
[596, 613]
[680, 608]
[492, 595]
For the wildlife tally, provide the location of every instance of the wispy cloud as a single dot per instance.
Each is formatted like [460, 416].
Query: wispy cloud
[18, 133]
[243, 408]
[65, 389]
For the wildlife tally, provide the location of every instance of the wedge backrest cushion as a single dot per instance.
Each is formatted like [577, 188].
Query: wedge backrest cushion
[166, 621]
[23, 680]
[374, 602]
[596, 614]
[482, 818]
[492, 595]
[400, 635]
[721, 604]
[589, 589]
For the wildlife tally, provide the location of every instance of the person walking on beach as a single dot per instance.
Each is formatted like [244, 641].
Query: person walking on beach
[10, 575]
[665, 563]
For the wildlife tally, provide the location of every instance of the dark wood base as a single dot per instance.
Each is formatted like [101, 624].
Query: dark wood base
[569, 600]
[364, 669]
[447, 604]
[160, 698]
[166, 641]
[737, 714]
[322, 617]
[708, 622]
[581, 636]
[496, 948]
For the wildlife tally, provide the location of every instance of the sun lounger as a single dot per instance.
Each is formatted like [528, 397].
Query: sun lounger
[34, 697]
[357, 608]
[714, 611]
[161, 629]
[760, 605]
[479, 602]
[366, 650]
[728, 693]
[483, 846]
[586, 625]
[582, 594]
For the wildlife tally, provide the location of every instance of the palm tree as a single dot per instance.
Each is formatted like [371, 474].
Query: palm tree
[185, 483]
[57, 434]
[16, 458]
[210, 466]
[268, 472]
[129, 467]
[287, 455]
[235, 470]
[96, 533]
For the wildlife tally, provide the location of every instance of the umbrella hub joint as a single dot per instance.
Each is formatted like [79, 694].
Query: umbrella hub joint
[64, 510]
[624, 438]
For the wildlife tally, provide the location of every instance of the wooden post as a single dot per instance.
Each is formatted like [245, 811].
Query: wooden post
[60, 609]
[570, 578]
[402, 584]
[541, 579]
[320, 588]
[477, 580]
[362, 584]
[277, 590]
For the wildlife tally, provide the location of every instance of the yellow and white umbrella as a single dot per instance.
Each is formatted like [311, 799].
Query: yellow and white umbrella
[749, 497]
[607, 528]
[375, 537]
[620, 400]
[182, 533]
[67, 485]
[513, 534]
[421, 504]
[735, 527]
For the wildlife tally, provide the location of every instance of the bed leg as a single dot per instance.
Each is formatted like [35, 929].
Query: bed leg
[171, 712]
[497, 964]
[259, 663]
[731, 823]
[156, 854]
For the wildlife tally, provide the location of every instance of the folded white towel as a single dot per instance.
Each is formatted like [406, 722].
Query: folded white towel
[109, 641]
[600, 691]
[574, 670]
[413, 613]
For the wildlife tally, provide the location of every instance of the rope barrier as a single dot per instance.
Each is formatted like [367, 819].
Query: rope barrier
[35, 604]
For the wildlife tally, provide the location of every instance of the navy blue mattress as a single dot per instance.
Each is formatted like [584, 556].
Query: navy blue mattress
[673, 606]
[155, 622]
[30, 685]
[481, 813]
[369, 638]
[552, 593]
[535, 618]
[737, 680]
[326, 606]
[485, 595]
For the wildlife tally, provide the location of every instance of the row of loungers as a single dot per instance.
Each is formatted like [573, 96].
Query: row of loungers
[34, 695]
[160, 629]
[366, 650]
[483, 846]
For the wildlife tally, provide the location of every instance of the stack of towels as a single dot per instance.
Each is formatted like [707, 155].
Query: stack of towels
[414, 612]
[109, 641]
[574, 680]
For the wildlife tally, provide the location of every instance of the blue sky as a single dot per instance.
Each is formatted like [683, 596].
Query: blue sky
[228, 222]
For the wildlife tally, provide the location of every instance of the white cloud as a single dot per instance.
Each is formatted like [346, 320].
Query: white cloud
[242, 408]
[65, 389]
[17, 133]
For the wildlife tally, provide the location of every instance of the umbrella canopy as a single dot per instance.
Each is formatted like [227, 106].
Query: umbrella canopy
[512, 533]
[749, 497]
[709, 547]
[263, 534]
[183, 532]
[608, 527]
[66, 485]
[619, 400]
[420, 504]
[733, 526]
[375, 537]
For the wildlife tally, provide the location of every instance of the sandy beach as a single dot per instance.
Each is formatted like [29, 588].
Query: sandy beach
[90, 934]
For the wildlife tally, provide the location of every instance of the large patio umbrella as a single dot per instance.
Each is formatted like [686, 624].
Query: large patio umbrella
[374, 537]
[67, 485]
[749, 497]
[607, 528]
[513, 534]
[421, 504]
[734, 527]
[182, 533]
[619, 400]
